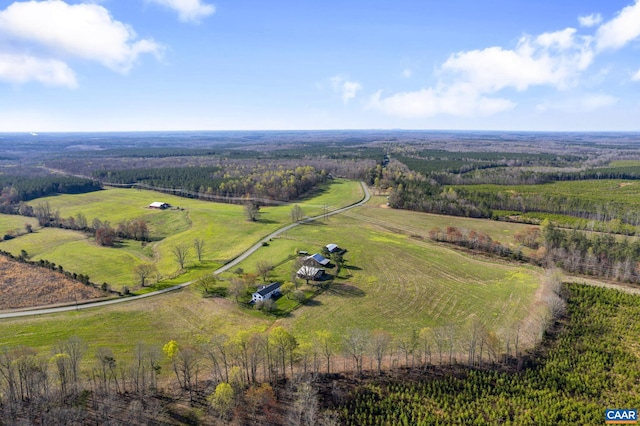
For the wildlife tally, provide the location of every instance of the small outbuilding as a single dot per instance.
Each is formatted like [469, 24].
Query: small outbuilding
[332, 248]
[159, 205]
[310, 273]
[266, 292]
[316, 258]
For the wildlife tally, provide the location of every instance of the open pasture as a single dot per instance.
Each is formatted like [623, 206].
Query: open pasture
[183, 316]
[419, 224]
[398, 283]
[14, 224]
[223, 227]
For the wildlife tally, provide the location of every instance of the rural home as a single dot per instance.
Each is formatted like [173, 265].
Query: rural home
[310, 273]
[332, 248]
[266, 292]
[159, 205]
[316, 258]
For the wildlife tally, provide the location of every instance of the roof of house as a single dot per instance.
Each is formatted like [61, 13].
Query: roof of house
[309, 271]
[157, 204]
[268, 289]
[331, 247]
[319, 258]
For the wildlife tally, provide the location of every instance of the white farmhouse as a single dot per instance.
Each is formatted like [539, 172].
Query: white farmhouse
[266, 292]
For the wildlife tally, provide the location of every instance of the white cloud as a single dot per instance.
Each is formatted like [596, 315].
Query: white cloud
[622, 29]
[469, 80]
[25, 68]
[458, 101]
[84, 31]
[590, 20]
[407, 73]
[552, 59]
[347, 89]
[188, 10]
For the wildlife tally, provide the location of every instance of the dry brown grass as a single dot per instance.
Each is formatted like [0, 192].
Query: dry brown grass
[23, 285]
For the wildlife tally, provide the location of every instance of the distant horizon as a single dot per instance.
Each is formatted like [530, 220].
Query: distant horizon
[58, 132]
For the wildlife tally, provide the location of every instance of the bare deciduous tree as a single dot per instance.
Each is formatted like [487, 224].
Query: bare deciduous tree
[264, 268]
[143, 271]
[296, 213]
[380, 342]
[355, 344]
[180, 252]
[198, 244]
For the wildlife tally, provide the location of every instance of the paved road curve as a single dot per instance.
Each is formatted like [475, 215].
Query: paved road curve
[224, 268]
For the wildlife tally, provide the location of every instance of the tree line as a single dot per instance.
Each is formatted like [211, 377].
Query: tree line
[238, 375]
[272, 181]
[14, 190]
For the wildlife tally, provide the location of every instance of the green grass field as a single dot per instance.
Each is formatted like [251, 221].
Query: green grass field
[223, 227]
[399, 283]
[183, 316]
[14, 224]
[391, 281]
[417, 223]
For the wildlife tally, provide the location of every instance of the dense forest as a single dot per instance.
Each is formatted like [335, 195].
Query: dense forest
[15, 189]
[259, 181]
[583, 370]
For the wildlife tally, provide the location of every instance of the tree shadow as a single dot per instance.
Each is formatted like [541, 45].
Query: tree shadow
[265, 221]
[352, 267]
[345, 290]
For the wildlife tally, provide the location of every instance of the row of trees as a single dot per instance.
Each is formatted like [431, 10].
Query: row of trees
[596, 254]
[104, 233]
[232, 369]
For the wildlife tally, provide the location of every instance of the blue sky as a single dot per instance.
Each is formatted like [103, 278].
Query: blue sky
[115, 65]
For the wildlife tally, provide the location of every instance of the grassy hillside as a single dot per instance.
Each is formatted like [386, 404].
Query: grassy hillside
[399, 283]
[391, 281]
[223, 227]
[15, 224]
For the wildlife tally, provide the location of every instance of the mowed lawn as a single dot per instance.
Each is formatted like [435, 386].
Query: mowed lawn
[223, 227]
[398, 283]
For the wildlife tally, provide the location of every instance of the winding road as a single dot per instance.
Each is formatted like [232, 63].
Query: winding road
[234, 262]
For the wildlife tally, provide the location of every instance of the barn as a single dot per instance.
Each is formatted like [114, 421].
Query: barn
[159, 205]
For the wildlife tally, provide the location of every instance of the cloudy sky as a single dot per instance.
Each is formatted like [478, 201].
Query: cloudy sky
[110, 65]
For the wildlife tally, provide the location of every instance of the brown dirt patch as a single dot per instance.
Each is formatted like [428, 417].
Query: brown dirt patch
[23, 286]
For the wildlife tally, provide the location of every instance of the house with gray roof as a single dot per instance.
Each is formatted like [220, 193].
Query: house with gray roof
[266, 292]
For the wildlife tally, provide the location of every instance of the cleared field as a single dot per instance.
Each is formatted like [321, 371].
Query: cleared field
[417, 223]
[391, 281]
[23, 285]
[13, 223]
[399, 283]
[223, 227]
[182, 316]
